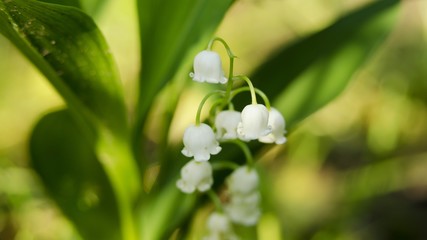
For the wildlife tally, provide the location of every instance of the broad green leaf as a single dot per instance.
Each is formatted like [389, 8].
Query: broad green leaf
[72, 3]
[305, 76]
[169, 31]
[63, 155]
[67, 47]
[89, 6]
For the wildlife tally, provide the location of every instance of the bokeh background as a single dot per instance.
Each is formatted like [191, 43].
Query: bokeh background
[356, 169]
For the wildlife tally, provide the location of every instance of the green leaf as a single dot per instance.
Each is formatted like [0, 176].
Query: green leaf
[72, 3]
[67, 47]
[89, 6]
[169, 31]
[63, 156]
[307, 75]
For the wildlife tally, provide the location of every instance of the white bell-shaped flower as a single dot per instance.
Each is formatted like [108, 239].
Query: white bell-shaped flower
[195, 176]
[218, 222]
[254, 122]
[243, 181]
[208, 68]
[219, 227]
[200, 143]
[226, 124]
[277, 123]
[246, 214]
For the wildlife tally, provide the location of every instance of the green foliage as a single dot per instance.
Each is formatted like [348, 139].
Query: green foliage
[64, 157]
[311, 72]
[69, 50]
[168, 35]
[83, 155]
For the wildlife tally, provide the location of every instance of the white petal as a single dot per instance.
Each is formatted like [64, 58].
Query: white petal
[226, 123]
[277, 123]
[254, 122]
[208, 68]
[243, 181]
[200, 142]
[195, 175]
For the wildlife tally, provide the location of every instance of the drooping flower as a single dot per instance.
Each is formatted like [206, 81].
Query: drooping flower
[246, 214]
[277, 123]
[243, 181]
[243, 207]
[226, 124]
[254, 122]
[208, 68]
[195, 176]
[219, 228]
[199, 142]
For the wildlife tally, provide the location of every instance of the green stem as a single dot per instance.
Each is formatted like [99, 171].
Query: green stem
[229, 52]
[117, 160]
[246, 151]
[225, 165]
[257, 91]
[214, 106]
[215, 199]
[199, 110]
[250, 85]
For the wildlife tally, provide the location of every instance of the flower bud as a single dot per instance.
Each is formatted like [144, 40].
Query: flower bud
[208, 68]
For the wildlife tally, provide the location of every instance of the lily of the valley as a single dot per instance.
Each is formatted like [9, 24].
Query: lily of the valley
[226, 124]
[243, 181]
[208, 68]
[195, 176]
[254, 122]
[243, 207]
[200, 142]
[246, 213]
[219, 227]
[277, 123]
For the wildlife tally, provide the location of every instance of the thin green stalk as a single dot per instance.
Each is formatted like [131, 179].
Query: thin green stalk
[213, 108]
[246, 151]
[199, 110]
[215, 199]
[225, 165]
[257, 91]
[250, 85]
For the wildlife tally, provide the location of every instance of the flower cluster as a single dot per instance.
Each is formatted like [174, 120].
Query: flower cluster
[243, 207]
[201, 140]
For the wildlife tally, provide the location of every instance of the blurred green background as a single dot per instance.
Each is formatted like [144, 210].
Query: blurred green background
[356, 169]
